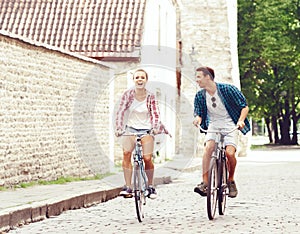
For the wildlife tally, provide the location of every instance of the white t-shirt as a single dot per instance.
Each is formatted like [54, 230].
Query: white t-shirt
[218, 115]
[139, 116]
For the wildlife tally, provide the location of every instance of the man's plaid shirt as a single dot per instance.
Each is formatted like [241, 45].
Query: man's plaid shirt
[232, 98]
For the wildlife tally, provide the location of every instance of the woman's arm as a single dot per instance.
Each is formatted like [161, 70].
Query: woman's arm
[154, 111]
[123, 106]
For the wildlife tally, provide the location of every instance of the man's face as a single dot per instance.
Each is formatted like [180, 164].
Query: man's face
[201, 78]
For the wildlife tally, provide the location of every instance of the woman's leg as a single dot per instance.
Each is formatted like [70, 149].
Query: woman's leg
[128, 146]
[148, 146]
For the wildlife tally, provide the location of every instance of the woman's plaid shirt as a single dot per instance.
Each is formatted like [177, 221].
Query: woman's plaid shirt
[127, 100]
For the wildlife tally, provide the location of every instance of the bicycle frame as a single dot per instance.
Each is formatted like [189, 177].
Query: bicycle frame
[218, 175]
[139, 163]
[140, 179]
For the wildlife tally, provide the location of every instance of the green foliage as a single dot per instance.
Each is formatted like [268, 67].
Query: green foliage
[269, 56]
[61, 180]
[258, 147]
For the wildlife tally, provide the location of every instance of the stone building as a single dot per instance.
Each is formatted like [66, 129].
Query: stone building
[64, 65]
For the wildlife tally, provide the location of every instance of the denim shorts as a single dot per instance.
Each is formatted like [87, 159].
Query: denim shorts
[134, 130]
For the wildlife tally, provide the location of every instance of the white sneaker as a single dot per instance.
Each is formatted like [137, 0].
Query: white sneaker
[126, 192]
[152, 192]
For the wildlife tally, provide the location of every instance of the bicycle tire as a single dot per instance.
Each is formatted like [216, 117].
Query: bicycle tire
[212, 189]
[138, 193]
[223, 188]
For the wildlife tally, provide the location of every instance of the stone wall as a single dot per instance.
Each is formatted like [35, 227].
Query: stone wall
[53, 114]
[205, 26]
[208, 35]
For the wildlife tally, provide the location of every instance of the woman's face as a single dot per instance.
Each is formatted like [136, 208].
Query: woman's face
[140, 79]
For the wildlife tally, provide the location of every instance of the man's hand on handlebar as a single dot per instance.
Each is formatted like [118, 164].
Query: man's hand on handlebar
[240, 124]
[197, 121]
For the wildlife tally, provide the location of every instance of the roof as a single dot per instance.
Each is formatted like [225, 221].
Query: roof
[94, 28]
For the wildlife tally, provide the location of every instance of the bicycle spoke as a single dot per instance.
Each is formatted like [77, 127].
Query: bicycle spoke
[212, 189]
[139, 192]
[223, 190]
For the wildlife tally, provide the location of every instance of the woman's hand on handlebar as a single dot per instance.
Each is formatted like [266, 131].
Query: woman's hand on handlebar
[154, 131]
[119, 132]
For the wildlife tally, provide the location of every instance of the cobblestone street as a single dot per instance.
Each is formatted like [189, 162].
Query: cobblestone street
[268, 202]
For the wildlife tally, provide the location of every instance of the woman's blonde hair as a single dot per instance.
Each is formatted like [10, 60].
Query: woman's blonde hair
[140, 70]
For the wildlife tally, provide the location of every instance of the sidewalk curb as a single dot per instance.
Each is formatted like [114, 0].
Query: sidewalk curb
[28, 215]
[33, 214]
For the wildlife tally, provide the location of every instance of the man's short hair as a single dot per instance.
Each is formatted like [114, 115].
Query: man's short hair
[207, 71]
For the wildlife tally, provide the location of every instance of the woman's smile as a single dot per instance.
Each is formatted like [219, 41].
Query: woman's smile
[140, 79]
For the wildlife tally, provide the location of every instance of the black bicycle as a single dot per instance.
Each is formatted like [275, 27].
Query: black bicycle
[217, 188]
[140, 180]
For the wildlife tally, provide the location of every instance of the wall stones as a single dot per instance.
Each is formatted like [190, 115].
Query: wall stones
[207, 26]
[49, 109]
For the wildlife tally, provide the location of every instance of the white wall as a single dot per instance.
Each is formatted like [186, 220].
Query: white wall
[158, 57]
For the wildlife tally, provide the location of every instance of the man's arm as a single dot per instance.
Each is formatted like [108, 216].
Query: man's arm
[198, 108]
[243, 115]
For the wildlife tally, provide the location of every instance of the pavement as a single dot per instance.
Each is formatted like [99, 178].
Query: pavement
[24, 206]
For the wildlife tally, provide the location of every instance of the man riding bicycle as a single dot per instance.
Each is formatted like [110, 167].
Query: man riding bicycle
[219, 106]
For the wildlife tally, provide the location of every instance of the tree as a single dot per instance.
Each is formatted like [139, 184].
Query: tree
[269, 49]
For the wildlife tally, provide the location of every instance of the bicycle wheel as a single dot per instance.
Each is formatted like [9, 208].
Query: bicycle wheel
[223, 188]
[139, 197]
[212, 189]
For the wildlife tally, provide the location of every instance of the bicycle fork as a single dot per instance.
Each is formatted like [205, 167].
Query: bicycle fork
[139, 167]
[223, 171]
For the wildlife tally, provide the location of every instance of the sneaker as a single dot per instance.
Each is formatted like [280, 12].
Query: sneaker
[232, 189]
[152, 192]
[126, 192]
[201, 189]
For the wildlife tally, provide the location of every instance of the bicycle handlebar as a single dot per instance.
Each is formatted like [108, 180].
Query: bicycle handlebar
[227, 132]
[149, 132]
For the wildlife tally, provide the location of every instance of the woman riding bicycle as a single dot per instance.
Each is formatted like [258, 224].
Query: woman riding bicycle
[142, 112]
[219, 106]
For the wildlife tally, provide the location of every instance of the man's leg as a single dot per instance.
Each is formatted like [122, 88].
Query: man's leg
[230, 153]
[208, 150]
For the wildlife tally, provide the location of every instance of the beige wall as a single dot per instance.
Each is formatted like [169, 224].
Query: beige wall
[53, 114]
